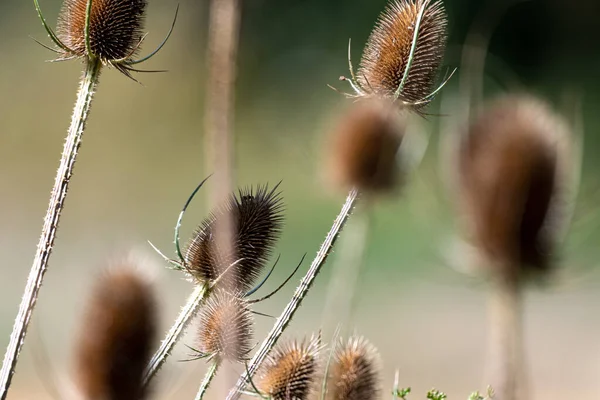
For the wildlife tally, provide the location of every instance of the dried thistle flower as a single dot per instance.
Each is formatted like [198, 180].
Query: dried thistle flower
[363, 147]
[404, 53]
[225, 329]
[116, 337]
[511, 170]
[257, 218]
[290, 371]
[355, 374]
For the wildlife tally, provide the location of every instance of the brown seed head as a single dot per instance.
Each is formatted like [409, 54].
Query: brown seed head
[225, 329]
[386, 55]
[510, 175]
[257, 218]
[290, 372]
[116, 338]
[363, 147]
[115, 27]
[355, 373]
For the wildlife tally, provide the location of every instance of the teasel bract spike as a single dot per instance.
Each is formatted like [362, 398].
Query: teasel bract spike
[257, 217]
[225, 327]
[116, 337]
[291, 370]
[512, 167]
[355, 373]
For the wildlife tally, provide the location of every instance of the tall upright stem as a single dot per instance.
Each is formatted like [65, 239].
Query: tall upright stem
[208, 377]
[505, 333]
[177, 330]
[55, 207]
[291, 308]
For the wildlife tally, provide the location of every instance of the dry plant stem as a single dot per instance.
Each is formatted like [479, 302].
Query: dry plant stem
[208, 377]
[341, 299]
[505, 315]
[55, 207]
[291, 308]
[177, 330]
[224, 21]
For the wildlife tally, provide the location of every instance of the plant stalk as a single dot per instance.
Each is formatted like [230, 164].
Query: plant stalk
[188, 311]
[56, 203]
[505, 335]
[208, 377]
[291, 308]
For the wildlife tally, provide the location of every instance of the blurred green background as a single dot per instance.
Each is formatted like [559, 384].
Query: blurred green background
[143, 153]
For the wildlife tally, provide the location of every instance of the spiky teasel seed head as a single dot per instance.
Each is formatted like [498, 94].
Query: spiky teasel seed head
[290, 371]
[363, 148]
[225, 326]
[257, 219]
[355, 373]
[511, 173]
[116, 337]
[115, 28]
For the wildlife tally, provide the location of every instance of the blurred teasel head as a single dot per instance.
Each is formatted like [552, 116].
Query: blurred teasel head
[290, 371]
[363, 147]
[116, 337]
[512, 167]
[403, 55]
[225, 327]
[355, 372]
[257, 220]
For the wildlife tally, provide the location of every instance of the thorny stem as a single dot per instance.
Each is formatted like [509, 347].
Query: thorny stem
[305, 284]
[188, 311]
[505, 335]
[208, 377]
[55, 207]
[341, 294]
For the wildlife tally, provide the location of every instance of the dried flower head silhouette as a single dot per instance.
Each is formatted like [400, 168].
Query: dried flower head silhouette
[403, 54]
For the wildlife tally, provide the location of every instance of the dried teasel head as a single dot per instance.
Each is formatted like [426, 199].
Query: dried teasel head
[116, 337]
[225, 327]
[404, 53]
[257, 219]
[355, 372]
[512, 169]
[105, 31]
[363, 148]
[290, 371]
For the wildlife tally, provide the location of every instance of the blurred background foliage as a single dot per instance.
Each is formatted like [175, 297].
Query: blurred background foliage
[143, 154]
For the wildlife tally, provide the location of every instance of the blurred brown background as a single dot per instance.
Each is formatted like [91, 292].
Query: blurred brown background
[143, 154]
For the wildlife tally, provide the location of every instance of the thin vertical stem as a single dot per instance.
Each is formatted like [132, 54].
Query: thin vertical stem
[208, 377]
[50, 227]
[177, 330]
[505, 332]
[291, 308]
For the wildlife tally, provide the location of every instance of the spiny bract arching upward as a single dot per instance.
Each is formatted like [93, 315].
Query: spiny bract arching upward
[225, 326]
[116, 338]
[257, 219]
[115, 27]
[290, 372]
[512, 166]
[355, 373]
[386, 55]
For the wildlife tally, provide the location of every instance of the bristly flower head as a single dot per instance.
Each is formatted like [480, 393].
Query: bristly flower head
[225, 327]
[257, 219]
[106, 30]
[356, 372]
[116, 337]
[512, 169]
[290, 371]
[364, 146]
[404, 53]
